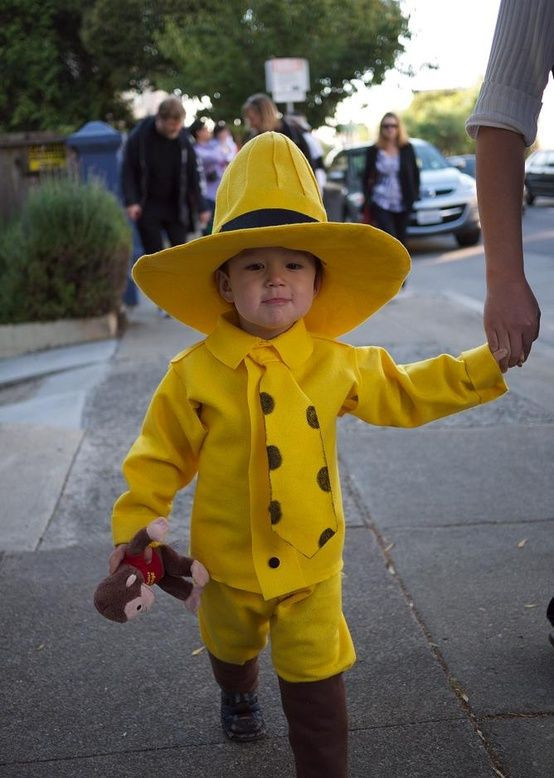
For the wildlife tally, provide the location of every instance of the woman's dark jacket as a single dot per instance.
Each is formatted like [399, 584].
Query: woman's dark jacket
[409, 175]
[288, 128]
[135, 173]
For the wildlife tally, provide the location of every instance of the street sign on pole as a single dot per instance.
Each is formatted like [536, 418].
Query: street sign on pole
[287, 79]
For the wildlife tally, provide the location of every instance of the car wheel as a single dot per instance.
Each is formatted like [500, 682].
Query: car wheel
[529, 198]
[468, 238]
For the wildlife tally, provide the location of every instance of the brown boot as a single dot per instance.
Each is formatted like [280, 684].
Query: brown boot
[241, 715]
[318, 726]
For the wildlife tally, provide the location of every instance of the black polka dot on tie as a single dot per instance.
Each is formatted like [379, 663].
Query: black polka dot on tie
[267, 402]
[274, 457]
[323, 480]
[326, 535]
[275, 511]
[311, 416]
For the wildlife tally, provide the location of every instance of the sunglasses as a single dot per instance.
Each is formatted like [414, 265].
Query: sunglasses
[389, 126]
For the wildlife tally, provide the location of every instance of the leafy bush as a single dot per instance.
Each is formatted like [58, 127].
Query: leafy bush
[66, 256]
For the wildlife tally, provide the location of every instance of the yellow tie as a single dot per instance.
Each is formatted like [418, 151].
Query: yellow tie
[301, 508]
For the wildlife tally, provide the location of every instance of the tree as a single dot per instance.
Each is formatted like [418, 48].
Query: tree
[50, 80]
[221, 48]
[439, 117]
[65, 62]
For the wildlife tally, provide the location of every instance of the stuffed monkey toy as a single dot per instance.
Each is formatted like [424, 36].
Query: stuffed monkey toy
[126, 593]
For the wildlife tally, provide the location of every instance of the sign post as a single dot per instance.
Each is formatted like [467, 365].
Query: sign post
[287, 79]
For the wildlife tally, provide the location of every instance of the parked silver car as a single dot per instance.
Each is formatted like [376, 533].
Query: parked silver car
[448, 198]
[539, 175]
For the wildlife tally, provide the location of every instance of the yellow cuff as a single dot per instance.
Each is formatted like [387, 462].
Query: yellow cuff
[484, 373]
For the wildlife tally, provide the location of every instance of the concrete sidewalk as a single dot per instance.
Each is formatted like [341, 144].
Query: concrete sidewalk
[448, 569]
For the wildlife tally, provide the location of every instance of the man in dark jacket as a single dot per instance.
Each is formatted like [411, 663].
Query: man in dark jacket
[162, 181]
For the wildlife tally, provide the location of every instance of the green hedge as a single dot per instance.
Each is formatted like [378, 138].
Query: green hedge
[66, 256]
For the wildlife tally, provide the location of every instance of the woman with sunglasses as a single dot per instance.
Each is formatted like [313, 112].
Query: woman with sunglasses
[391, 179]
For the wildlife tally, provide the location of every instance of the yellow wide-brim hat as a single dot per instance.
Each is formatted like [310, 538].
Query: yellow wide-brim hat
[268, 196]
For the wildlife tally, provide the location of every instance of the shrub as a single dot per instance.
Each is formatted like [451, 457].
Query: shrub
[66, 255]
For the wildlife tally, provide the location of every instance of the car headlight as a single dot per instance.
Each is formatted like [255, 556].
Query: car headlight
[467, 185]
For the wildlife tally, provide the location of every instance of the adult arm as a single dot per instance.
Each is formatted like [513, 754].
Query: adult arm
[197, 186]
[130, 171]
[369, 173]
[512, 314]
[416, 175]
[503, 122]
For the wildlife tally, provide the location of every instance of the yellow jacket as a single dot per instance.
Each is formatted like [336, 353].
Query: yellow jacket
[205, 418]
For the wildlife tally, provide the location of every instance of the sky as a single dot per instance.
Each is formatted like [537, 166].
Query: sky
[456, 37]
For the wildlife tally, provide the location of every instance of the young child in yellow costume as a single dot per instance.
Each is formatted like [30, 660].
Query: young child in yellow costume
[252, 409]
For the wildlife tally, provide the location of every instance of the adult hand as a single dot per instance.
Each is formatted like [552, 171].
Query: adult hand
[116, 557]
[134, 212]
[511, 320]
[204, 217]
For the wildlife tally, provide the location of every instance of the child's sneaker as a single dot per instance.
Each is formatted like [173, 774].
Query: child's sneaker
[241, 716]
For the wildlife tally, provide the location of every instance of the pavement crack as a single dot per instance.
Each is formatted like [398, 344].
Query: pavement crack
[62, 490]
[454, 684]
[517, 715]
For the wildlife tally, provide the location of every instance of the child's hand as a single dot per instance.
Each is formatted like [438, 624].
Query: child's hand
[200, 578]
[116, 557]
[500, 356]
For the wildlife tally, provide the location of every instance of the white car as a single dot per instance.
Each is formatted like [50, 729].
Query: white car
[448, 198]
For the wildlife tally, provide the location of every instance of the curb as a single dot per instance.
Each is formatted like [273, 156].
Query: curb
[17, 339]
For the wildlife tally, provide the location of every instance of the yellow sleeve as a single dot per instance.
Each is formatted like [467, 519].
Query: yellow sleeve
[162, 460]
[387, 394]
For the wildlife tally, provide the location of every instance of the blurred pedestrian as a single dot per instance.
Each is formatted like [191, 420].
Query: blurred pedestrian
[391, 178]
[262, 115]
[215, 151]
[315, 147]
[161, 180]
[504, 122]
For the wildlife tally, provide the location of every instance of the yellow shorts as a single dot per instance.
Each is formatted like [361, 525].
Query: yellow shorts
[309, 636]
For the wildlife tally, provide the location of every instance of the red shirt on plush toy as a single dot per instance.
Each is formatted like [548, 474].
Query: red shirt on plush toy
[127, 592]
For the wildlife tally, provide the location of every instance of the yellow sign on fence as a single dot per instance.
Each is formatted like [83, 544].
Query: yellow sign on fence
[42, 158]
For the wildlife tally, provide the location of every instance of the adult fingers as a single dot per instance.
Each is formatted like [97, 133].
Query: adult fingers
[500, 353]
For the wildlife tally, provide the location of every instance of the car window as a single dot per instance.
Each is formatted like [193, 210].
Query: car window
[538, 159]
[429, 158]
[339, 165]
[357, 159]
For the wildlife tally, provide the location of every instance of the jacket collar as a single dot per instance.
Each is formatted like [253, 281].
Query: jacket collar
[230, 344]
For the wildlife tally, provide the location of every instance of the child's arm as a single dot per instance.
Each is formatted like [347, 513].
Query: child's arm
[394, 395]
[161, 461]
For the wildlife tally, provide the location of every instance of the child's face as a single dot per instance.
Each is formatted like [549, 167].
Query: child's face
[271, 288]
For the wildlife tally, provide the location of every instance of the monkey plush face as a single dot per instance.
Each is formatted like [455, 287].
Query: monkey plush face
[123, 595]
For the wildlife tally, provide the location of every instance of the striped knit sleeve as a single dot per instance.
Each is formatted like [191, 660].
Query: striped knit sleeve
[520, 60]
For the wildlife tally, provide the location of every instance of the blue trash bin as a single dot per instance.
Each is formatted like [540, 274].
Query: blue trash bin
[98, 148]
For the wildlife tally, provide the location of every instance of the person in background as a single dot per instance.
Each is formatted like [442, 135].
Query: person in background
[504, 122]
[262, 115]
[315, 147]
[161, 180]
[215, 151]
[391, 178]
